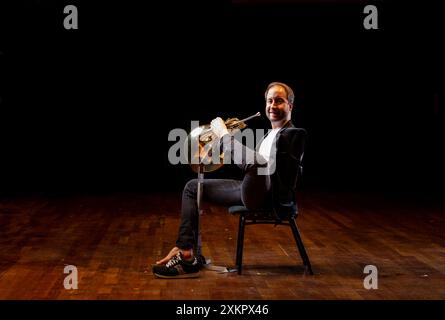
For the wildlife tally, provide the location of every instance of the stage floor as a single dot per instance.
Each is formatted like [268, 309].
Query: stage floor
[113, 239]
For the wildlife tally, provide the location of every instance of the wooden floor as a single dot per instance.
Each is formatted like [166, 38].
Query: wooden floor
[113, 239]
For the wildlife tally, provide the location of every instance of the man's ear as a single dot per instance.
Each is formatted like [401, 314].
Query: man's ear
[291, 106]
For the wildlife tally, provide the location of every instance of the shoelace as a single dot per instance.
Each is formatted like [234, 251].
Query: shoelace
[174, 260]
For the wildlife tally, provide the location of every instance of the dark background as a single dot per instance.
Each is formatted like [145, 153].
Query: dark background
[89, 110]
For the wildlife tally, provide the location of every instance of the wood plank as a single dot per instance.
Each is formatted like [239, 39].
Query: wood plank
[114, 238]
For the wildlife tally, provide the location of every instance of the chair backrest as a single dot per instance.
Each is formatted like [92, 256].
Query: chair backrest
[289, 157]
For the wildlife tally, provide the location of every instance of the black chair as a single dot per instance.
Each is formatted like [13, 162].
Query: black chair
[283, 209]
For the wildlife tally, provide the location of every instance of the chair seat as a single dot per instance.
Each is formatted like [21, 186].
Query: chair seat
[238, 209]
[243, 209]
[254, 214]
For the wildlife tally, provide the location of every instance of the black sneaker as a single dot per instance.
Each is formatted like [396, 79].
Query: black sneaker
[178, 268]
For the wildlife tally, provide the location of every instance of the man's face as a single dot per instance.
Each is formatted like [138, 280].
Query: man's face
[278, 107]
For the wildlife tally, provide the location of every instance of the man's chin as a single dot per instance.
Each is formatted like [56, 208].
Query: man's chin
[275, 118]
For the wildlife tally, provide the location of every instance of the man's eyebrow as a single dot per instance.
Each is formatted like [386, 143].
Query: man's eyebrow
[275, 98]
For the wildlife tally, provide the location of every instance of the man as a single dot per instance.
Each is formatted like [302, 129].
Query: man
[254, 191]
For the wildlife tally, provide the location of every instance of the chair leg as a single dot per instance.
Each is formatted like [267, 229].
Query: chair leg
[240, 243]
[300, 245]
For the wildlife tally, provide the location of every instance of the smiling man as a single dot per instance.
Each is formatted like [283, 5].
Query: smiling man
[279, 104]
[254, 191]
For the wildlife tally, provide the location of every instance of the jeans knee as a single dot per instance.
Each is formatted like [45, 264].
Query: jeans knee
[191, 186]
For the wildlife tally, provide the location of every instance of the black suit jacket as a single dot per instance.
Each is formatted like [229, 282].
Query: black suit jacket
[290, 144]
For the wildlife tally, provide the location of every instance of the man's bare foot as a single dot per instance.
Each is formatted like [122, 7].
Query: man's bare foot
[172, 253]
[186, 254]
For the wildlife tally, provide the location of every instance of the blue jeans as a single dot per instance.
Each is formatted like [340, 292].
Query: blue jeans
[253, 192]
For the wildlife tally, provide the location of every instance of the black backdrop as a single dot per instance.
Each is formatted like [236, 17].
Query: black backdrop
[89, 110]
